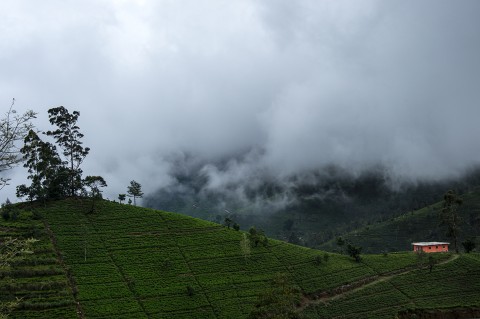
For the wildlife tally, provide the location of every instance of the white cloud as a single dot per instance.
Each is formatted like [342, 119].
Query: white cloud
[308, 82]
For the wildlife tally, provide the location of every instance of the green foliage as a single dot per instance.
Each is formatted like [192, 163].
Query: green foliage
[468, 245]
[95, 183]
[450, 216]
[190, 291]
[318, 260]
[397, 234]
[51, 177]
[279, 300]
[326, 257]
[121, 197]
[125, 275]
[32, 284]
[14, 249]
[45, 168]
[228, 222]
[354, 252]
[68, 138]
[257, 237]
[135, 190]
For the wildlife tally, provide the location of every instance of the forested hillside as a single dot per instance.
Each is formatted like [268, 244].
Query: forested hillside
[308, 209]
[397, 234]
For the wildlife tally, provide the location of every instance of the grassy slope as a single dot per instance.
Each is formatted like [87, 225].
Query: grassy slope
[421, 225]
[125, 274]
[39, 280]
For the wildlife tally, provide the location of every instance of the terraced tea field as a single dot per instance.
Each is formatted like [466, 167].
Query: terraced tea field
[39, 280]
[130, 262]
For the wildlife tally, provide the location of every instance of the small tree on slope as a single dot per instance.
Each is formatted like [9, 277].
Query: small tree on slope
[135, 190]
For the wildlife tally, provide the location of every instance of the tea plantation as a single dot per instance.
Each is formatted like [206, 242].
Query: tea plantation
[129, 262]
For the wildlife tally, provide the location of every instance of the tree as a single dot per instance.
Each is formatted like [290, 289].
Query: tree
[450, 216]
[135, 190]
[68, 137]
[340, 243]
[13, 128]
[245, 246]
[44, 165]
[95, 183]
[121, 197]
[354, 252]
[468, 245]
[257, 236]
[228, 221]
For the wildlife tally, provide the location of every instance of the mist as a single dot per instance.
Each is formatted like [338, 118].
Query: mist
[251, 93]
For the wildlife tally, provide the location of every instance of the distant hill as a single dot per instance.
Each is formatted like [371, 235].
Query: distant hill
[129, 262]
[309, 208]
[397, 234]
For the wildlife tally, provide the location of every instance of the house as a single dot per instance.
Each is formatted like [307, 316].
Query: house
[431, 247]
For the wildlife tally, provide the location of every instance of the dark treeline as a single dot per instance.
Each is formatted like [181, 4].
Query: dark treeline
[307, 209]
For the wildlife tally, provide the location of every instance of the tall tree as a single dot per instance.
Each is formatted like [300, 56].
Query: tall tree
[45, 168]
[135, 190]
[450, 216]
[68, 137]
[95, 183]
[13, 128]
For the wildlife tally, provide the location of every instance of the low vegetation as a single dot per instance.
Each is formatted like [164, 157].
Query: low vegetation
[122, 261]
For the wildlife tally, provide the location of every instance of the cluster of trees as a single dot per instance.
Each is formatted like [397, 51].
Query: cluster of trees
[351, 249]
[55, 168]
[134, 190]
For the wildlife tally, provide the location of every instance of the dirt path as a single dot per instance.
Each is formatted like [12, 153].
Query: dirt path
[340, 291]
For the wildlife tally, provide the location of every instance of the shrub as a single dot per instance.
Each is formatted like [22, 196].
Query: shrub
[190, 291]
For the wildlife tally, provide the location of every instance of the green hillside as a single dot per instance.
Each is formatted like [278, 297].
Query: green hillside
[128, 262]
[398, 233]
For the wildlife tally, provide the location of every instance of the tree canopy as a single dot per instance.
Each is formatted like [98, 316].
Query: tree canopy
[135, 190]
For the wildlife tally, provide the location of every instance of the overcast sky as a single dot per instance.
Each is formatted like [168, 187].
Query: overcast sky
[296, 85]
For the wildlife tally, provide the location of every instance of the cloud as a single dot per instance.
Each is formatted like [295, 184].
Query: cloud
[299, 84]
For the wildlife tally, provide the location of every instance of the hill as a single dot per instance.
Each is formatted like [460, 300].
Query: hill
[397, 234]
[308, 209]
[129, 262]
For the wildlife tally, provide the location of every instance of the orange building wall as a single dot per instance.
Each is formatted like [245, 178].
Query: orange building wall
[431, 248]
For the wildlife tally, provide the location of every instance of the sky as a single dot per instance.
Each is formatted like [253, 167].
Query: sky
[265, 86]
